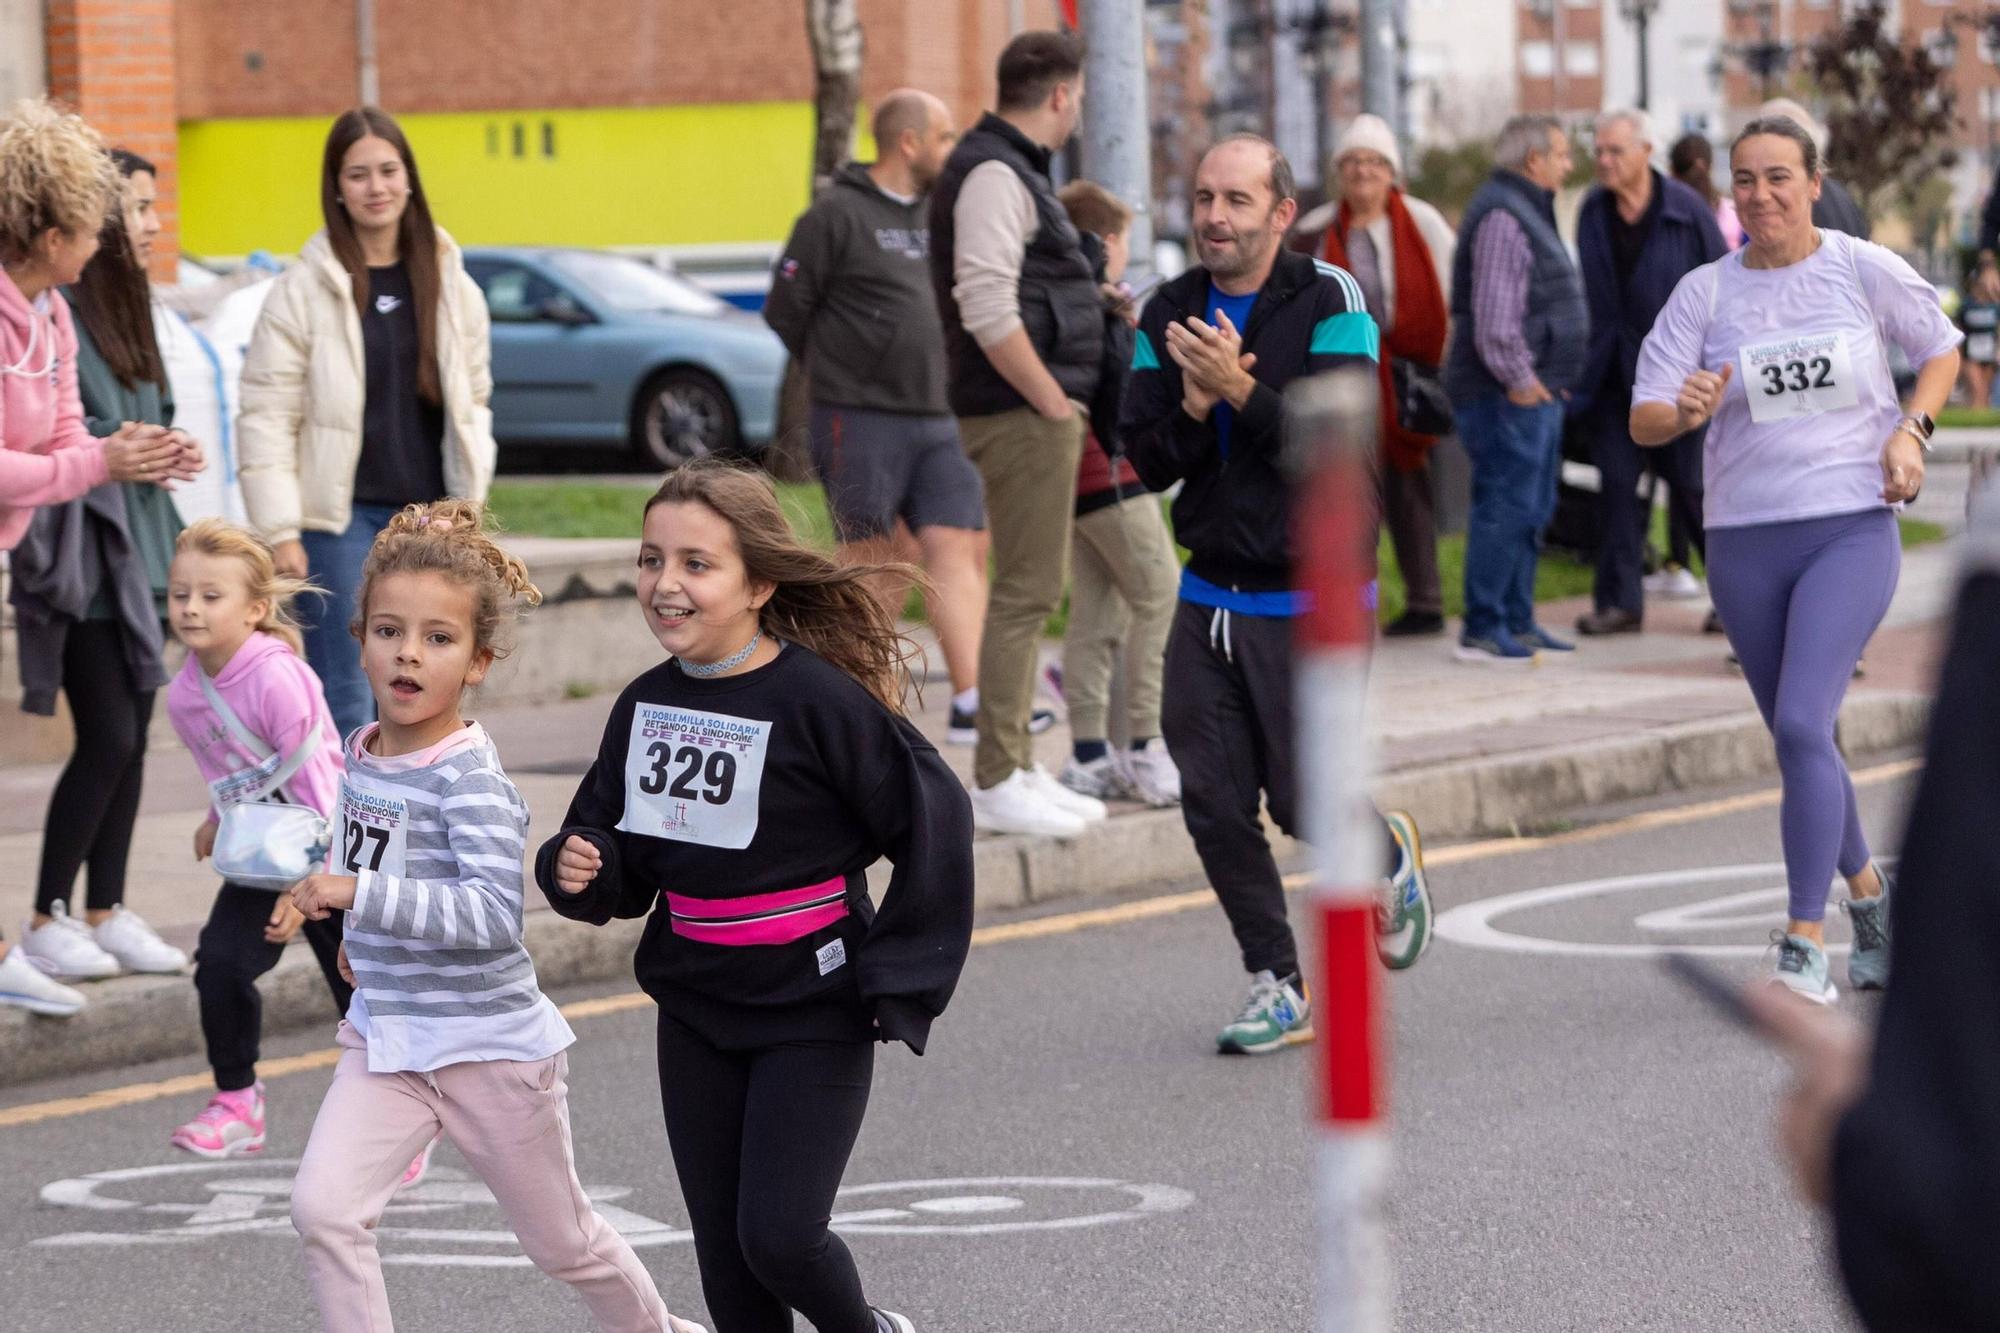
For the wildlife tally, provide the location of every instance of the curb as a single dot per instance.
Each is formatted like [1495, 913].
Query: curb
[135, 1019]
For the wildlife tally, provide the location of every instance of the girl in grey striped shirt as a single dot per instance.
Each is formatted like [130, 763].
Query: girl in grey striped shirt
[449, 1031]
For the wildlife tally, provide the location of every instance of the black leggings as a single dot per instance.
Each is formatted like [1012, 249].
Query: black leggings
[232, 954]
[760, 1139]
[96, 801]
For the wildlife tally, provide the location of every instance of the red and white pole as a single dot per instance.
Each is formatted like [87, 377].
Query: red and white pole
[1331, 439]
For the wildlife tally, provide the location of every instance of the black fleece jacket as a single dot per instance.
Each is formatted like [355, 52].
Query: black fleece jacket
[1232, 513]
[825, 782]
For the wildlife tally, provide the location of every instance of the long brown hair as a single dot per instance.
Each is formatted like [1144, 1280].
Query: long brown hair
[219, 540]
[454, 539]
[417, 237]
[819, 603]
[114, 299]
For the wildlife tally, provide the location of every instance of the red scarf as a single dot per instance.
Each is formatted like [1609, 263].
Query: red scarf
[1421, 319]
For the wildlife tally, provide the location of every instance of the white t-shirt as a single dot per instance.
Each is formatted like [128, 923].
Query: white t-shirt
[1811, 400]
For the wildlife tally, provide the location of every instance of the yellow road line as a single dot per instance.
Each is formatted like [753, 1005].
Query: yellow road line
[1065, 923]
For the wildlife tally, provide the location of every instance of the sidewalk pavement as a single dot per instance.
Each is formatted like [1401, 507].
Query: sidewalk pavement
[1468, 749]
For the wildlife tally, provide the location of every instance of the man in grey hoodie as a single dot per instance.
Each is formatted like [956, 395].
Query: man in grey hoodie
[851, 297]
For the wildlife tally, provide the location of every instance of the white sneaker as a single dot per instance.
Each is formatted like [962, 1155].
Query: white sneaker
[1018, 806]
[66, 949]
[23, 985]
[1153, 775]
[137, 946]
[1087, 808]
[1103, 778]
[1673, 582]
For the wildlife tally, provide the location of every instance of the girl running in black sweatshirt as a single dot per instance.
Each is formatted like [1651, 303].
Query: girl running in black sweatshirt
[741, 792]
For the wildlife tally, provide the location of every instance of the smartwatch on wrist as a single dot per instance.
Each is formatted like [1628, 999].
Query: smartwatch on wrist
[1919, 426]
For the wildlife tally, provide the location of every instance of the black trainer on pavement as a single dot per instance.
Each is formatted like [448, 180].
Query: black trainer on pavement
[1611, 620]
[1411, 624]
[964, 729]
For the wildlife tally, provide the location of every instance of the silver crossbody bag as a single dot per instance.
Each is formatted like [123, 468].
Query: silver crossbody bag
[264, 843]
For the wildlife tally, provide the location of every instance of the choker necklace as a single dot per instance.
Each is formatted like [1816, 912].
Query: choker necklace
[736, 659]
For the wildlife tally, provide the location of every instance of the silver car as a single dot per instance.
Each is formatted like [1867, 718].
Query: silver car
[600, 349]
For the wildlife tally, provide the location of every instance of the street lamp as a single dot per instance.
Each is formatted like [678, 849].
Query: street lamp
[1639, 13]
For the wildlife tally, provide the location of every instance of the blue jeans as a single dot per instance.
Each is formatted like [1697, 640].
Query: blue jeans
[334, 560]
[1516, 454]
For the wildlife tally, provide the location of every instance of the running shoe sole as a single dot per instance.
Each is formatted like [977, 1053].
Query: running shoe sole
[240, 1148]
[46, 1008]
[1464, 654]
[1295, 1037]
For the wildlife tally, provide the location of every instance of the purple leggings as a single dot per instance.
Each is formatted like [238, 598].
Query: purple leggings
[1799, 601]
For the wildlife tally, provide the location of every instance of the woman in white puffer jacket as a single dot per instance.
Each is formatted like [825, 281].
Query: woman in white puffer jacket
[365, 388]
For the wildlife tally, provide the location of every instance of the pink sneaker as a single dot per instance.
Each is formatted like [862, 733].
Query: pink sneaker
[231, 1125]
[419, 1167]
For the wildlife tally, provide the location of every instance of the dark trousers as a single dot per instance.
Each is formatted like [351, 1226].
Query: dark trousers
[96, 800]
[760, 1140]
[1516, 455]
[1409, 511]
[230, 957]
[1227, 717]
[1624, 515]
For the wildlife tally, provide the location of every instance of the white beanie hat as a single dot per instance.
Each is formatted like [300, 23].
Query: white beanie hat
[1370, 134]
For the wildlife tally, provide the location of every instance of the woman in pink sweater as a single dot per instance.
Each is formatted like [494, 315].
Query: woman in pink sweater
[57, 184]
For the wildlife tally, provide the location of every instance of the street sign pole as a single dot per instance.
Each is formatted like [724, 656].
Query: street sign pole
[1331, 438]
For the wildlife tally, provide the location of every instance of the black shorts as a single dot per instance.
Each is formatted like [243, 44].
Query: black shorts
[881, 466]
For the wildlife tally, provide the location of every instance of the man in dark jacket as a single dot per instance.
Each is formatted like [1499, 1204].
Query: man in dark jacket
[851, 297]
[1216, 348]
[1519, 335]
[1024, 337]
[1897, 1140]
[1640, 232]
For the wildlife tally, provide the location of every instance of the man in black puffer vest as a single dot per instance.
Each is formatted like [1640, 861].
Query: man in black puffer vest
[1024, 329]
[1519, 334]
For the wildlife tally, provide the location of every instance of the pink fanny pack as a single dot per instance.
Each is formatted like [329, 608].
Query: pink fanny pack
[764, 918]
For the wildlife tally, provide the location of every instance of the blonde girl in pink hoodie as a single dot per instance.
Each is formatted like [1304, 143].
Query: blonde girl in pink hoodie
[57, 185]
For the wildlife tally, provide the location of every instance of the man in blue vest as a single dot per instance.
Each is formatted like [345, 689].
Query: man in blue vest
[1639, 234]
[1519, 335]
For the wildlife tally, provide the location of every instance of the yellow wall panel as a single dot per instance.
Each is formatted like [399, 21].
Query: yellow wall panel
[679, 175]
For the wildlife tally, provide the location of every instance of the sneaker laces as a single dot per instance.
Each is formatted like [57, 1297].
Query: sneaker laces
[1263, 998]
[1792, 956]
[220, 1111]
[1867, 922]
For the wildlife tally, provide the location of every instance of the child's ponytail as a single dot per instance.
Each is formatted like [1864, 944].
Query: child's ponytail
[819, 603]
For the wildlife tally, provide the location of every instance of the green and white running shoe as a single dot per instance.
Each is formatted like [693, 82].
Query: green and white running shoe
[1278, 1013]
[1801, 968]
[1403, 918]
[1868, 965]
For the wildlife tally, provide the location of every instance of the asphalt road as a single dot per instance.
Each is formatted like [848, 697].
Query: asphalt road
[1579, 1143]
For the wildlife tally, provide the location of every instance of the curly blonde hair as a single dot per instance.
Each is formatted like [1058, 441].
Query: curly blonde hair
[54, 172]
[453, 538]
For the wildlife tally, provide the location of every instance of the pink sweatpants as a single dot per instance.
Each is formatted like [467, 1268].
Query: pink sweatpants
[511, 1122]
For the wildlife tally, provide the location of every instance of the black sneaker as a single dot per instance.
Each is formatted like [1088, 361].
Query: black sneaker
[964, 727]
[1411, 624]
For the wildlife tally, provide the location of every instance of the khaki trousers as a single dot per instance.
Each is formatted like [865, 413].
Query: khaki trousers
[510, 1120]
[1125, 583]
[1028, 463]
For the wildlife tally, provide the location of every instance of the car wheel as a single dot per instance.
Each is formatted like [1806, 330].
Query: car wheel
[683, 415]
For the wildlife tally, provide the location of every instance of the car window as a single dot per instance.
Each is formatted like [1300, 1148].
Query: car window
[632, 284]
[514, 295]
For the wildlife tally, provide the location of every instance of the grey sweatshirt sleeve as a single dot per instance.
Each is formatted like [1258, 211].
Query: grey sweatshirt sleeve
[993, 221]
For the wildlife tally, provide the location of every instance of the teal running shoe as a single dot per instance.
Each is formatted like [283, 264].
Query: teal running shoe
[1278, 1013]
[1801, 968]
[1868, 965]
[1403, 918]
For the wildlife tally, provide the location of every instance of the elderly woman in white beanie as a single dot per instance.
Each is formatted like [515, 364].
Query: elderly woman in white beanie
[1399, 249]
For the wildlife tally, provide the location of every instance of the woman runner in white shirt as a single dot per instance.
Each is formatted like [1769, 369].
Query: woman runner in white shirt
[1783, 344]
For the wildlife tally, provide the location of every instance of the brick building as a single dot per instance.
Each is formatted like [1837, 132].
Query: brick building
[593, 122]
